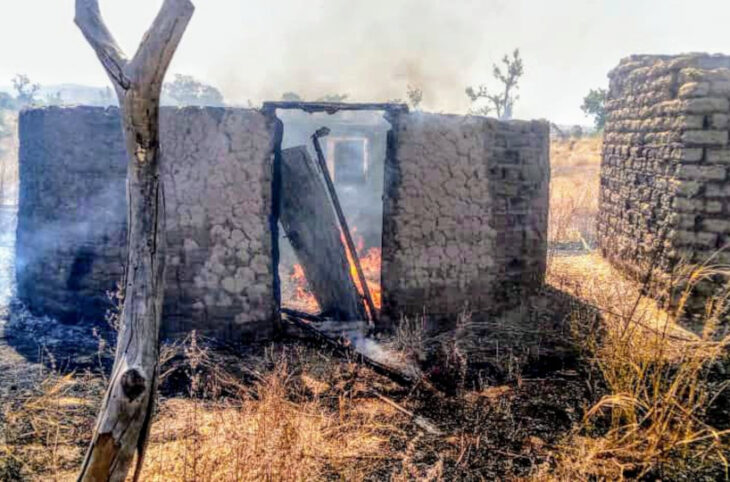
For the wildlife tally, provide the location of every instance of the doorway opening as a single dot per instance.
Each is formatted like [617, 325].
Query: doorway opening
[354, 151]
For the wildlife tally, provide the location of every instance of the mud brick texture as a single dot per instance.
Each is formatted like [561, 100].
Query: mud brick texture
[665, 188]
[217, 166]
[465, 214]
[465, 209]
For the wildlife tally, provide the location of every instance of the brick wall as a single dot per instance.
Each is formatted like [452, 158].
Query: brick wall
[217, 166]
[465, 214]
[665, 190]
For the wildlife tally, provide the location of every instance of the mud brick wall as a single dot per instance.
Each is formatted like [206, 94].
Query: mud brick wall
[665, 189]
[465, 214]
[217, 166]
[71, 214]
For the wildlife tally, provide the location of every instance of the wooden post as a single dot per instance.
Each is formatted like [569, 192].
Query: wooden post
[324, 131]
[123, 424]
[309, 222]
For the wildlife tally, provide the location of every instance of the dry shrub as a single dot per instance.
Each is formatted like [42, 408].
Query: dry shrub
[270, 437]
[653, 420]
[411, 338]
[437, 355]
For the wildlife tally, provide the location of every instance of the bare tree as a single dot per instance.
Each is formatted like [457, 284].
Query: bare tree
[123, 425]
[415, 96]
[503, 101]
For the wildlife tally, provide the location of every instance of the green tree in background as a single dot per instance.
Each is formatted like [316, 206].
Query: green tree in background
[186, 90]
[333, 98]
[594, 105]
[504, 100]
[291, 97]
[25, 91]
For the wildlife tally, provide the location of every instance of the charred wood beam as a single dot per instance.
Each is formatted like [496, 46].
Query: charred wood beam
[334, 107]
[310, 224]
[345, 348]
[343, 222]
[302, 315]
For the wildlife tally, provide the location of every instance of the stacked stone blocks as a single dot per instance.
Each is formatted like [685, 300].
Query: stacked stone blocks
[217, 165]
[465, 214]
[465, 211]
[665, 184]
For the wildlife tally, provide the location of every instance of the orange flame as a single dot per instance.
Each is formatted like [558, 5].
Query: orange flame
[370, 263]
[369, 260]
[303, 298]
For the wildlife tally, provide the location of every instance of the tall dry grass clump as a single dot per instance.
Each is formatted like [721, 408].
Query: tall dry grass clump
[660, 385]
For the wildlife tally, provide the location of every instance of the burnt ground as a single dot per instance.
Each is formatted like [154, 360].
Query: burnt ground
[506, 414]
[503, 392]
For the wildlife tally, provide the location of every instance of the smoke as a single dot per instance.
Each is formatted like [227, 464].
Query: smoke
[96, 222]
[369, 50]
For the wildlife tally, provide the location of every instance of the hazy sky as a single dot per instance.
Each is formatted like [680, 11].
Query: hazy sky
[372, 49]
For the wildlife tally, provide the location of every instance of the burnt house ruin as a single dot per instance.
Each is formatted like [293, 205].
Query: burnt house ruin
[450, 211]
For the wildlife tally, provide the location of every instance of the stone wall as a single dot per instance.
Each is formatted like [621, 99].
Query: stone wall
[465, 210]
[218, 167]
[72, 211]
[465, 214]
[665, 190]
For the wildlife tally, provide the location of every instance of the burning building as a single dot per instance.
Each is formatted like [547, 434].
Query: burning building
[446, 212]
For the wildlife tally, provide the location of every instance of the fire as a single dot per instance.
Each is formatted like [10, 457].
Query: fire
[369, 260]
[370, 263]
[303, 298]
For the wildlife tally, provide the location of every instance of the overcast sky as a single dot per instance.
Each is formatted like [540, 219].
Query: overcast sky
[372, 49]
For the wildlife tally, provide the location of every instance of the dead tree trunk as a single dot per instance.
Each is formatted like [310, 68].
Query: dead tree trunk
[310, 224]
[124, 421]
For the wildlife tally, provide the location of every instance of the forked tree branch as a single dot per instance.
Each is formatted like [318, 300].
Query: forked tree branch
[122, 427]
[89, 20]
[150, 63]
[148, 67]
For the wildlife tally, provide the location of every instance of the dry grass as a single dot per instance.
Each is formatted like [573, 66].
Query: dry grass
[45, 426]
[660, 380]
[640, 403]
[287, 424]
[575, 166]
[276, 433]
[661, 383]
